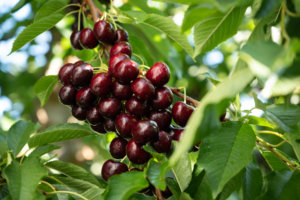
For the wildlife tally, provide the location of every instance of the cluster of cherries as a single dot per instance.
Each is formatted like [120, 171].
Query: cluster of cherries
[131, 102]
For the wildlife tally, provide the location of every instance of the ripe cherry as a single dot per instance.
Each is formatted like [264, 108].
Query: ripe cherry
[101, 84]
[158, 74]
[104, 32]
[181, 112]
[136, 154]
[78, 112]
[85, 98]
[113, 61]
[143, 89]
[163, 98]
[110, 107]
[163, 144]
[162, 118]
[122, 92]
[93, 116]
[98, 128]
[177, 134]
[82, 74]
[75, 40]
[65, 73]
[117, 148]
[88, 39]
[126, 71]
[111, 168]
[136, 107]
[121, 35]
[109, 125]
[124, 123]
[67, 94]
[121, 47]
[144, 131]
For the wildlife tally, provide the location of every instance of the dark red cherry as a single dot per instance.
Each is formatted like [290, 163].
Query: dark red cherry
[109, 125]
[158, 74]
[144, 131]
[122, 92]
[121, 35]
[163, 144]
[78, 63]
[172, 130]
[111, 168]
[136, 154]
[121, 47]
[126, 71]
[93, 116]
[65, 73]
[136, 107]
[88, 39]
[110, 107]
[82, 74]
[67, 94]
[143, 89]
[101, 84]
[177, 134]
[98, 128]
[163, 98]
[123, 124]
[162, 118]
[181, 112]
[117, 148]
[78, 112]
[114, 61]
[85, 98]
[104, 32]
[75, 40]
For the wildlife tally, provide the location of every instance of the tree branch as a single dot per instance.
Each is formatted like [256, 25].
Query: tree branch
[158, 194]
[93, 10]
[177, 92]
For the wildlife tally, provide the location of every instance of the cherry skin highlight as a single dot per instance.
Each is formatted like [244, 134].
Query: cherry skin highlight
[113, 61]
[82, 74]
[163, 98]
[136, 154]
[144, 131]
[126, 71]
[117, 148]
[143, 89]
[93, 116]
[181, 112]
[111, 168]
[85, 98]
[104, 32]
[136, 107]
[163, 119]
[121, 35]
[65, 73]
[88, 39]
[158, 74]
[163, 144]
[109, 107]
[67, 94]
[101, 84]
[75, 40]
[124, 123]
[121, 47]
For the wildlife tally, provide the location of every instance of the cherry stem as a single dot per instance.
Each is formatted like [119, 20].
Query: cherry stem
[93, 10]
[158, 194]
[177, 92]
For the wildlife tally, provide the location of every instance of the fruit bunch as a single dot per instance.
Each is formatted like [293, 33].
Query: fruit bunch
[125, 99]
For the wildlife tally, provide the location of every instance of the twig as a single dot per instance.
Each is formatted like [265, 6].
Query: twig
[177, 92]
[93, 10]
[158, 194]
[67, 192]
[46, 183]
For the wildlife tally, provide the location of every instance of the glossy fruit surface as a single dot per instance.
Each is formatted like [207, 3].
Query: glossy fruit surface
[67, 94]
[143, 89]
[111, 168]
[144, 131]
[163, 98]
[122, 92]
[181, 112]
[82, 74]
[158, 74]
[163, 144]
[163, 118]
[75, 40]
[85, 98]
[113, 61]
[101, 84]
[99, 128]
[93, 116]
[136, 107]
[124, 123]
[126, 71]
[117, 148]
[136, 154]
[121, 47]
[177, 134]
[78, 112]
[65, 73]
[109, 125]
[104, 32]
[121, 35]
[88, 39]
[109, 107]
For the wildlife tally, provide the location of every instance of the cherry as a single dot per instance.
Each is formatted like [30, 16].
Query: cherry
[78, 112]
[115, 60]
[111, 168]
[162, 118]
[158, 74]
[121, 35]
[67, 94]
[98, 128]
[121, 47]
[117, 148]
[109, 125]
[88, 39]
[142, 88]
[82, 74]
[109, 107]
[163, 98]
[123, 124]
[93, 116]
[173, 130]
[181, 112]
[75, 40]
[144, 131]
[65, 73]
[177, 134]
[78, 63]
[104, 32]
[122, 92]
[136, 154]
[85, 98]
[101, 84]
[163, 144]
[126, 71]
[136, 107]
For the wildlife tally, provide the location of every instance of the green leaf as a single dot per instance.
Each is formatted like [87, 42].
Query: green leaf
[294, 140]
[183, 171]
[258, 103]
[297, 5]
[132, 182]
[19, 5]
[232, 185]
[50, 7]
[211, 31]
[41, 150]
[3, 147]
[18, 135]
[23, 179]
[167, 26]
[259, 121]
[186, 1]
[93, 194]
[155, 175]
[60, 132]
[225, 152]
[274, 162]
[252, 183]
[206, 117]
[174, 187]
[267, 7]
[291, 189]
[138, 196]
[74, 171]
[34, 29]
[44, 87]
